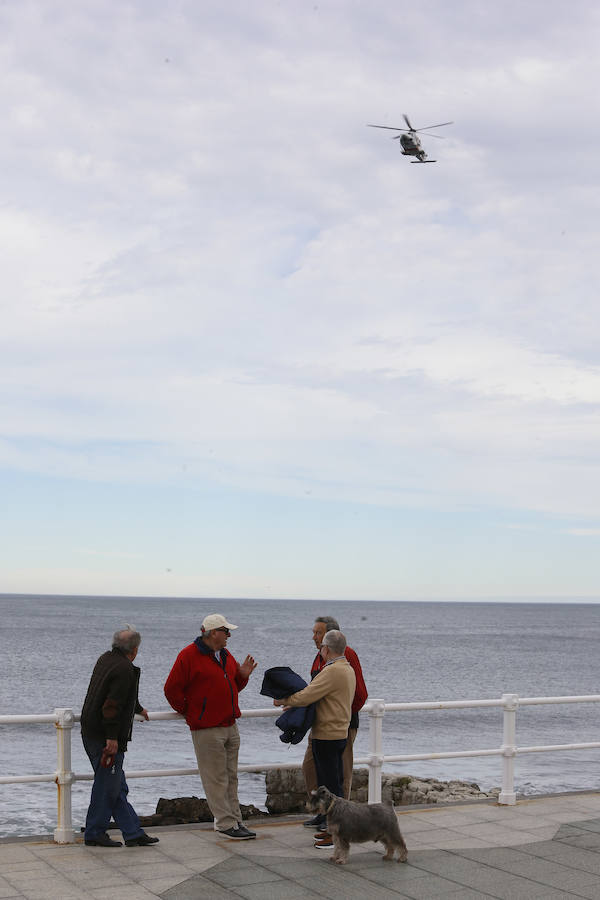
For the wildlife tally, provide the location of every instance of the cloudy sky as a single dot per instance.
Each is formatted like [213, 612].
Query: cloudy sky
[248, 349]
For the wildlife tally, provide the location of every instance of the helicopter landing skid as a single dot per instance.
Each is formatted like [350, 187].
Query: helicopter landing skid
[422, 162]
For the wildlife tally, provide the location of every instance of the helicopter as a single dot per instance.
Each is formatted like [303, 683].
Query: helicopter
[411, 143]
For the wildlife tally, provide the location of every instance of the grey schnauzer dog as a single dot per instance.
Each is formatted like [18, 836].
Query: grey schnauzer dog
[349, 822]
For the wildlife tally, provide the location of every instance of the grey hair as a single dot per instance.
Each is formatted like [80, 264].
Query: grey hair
[336, 641]
[329, 622]
[126, 639]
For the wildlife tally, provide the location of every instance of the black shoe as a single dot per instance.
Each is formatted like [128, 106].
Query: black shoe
[142, 841]
[316, 822]
[238, 834]
[242, 827]
[102, 840]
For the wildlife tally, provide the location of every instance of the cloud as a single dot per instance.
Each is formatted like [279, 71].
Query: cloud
[209, 261]
[583, 532]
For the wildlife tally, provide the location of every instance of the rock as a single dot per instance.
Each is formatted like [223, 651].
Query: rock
[186, 810]
[286, 792]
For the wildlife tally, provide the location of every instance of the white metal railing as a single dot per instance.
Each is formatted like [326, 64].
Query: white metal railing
[64, 719]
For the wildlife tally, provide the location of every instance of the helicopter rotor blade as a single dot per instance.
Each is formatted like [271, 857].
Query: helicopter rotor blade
[389, 127]
[438, 136]
[405, 117]
[425, 127]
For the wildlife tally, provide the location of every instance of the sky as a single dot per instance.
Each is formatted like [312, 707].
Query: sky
[248, 350]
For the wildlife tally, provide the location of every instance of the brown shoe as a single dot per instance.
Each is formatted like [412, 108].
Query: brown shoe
[319, 835]
[324, 843]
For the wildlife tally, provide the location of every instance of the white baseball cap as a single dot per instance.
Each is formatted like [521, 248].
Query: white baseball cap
[216, 621]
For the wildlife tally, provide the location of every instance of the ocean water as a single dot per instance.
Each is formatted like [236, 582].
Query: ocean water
[408, 651]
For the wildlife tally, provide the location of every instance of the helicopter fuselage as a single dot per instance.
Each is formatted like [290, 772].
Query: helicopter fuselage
[411, 146]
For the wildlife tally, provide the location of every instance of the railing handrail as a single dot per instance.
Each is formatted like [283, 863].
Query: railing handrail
[65, 718]
[401, 706]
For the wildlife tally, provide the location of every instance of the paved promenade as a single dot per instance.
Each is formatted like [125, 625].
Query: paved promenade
[547, 848]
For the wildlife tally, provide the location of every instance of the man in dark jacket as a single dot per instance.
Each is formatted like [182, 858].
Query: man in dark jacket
[106, 724]
[203, 686]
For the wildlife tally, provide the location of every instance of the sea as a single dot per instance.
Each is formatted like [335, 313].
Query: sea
[409, 651]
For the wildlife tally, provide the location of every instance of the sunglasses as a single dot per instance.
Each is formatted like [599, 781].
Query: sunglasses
[224, 630]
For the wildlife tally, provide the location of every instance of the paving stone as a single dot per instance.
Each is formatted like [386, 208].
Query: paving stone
[430, 886]
[49, 892]
[394, 879]
[590, 840]
[466, 894]
[280, 890]
[14, 853]
[198, 866]
[136, 892]
[158, 885]
[575, 857]
[248, 875]
[544, 849]
[495, 883]
[566, 831]
[155, 868]
[553, 874]
[98, 878]
[8, 893]
[590, 891]
[454, 868]
[494, 855]
[335, 883]
[195, 887]
[587, 825]
[32, 867]
[298, 868]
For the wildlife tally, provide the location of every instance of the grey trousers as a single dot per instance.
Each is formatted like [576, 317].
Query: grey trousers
[217, 752]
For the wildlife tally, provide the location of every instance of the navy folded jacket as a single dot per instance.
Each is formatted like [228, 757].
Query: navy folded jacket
[279, 682]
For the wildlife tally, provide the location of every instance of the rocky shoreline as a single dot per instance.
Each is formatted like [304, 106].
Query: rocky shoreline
[286, 794]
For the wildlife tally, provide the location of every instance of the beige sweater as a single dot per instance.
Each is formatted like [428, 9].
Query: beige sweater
[333, 691]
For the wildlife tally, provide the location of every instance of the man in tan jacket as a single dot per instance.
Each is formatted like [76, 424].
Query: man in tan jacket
[333, 691]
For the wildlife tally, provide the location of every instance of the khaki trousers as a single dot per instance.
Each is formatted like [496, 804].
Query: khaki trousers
[217, 755]
[310, 773]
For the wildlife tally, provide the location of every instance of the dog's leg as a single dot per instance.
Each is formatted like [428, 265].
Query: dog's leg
[389, 851]
[336, 847]
[402, 851]
[342, 849]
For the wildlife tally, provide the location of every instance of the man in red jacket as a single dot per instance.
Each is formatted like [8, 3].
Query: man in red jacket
[322, 625]
[203, 686]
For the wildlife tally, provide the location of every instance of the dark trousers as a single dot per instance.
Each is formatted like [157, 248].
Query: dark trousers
[109, 796]
[329, 765]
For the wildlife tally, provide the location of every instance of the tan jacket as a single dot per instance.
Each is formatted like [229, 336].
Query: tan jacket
[333, 691]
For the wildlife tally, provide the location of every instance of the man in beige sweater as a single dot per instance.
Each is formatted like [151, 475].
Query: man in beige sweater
[332, 690]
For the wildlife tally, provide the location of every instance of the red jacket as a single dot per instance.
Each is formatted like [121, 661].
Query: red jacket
[360, 694]
[203, 690]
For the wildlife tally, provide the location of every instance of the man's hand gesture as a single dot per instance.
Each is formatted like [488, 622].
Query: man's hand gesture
[248, 666]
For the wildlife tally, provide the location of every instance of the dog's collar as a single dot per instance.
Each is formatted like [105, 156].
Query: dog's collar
[330, 807]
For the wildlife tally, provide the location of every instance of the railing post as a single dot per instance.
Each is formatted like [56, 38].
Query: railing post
[376, 714]
[507, 796]
[63, 833]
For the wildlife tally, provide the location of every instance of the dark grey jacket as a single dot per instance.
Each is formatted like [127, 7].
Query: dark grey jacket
[112, 699]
